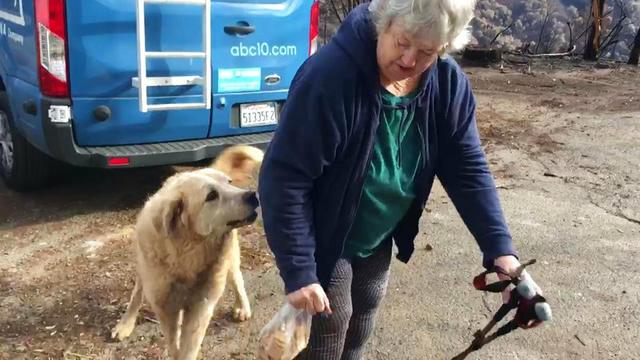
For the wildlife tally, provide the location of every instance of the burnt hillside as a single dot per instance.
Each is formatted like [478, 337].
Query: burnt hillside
[542, 23]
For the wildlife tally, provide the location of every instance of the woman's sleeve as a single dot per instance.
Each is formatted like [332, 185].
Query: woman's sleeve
[465, 175]
[307, 140]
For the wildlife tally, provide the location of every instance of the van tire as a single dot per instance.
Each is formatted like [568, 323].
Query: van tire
[23, 167]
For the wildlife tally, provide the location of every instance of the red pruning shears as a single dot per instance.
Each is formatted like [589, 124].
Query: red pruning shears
[531, 308]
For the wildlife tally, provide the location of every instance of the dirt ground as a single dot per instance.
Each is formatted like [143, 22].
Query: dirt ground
[563, 145]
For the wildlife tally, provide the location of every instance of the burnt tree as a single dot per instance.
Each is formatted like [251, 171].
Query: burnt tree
[613, 37]
[592, 49]
[342, 8]
[635, 50]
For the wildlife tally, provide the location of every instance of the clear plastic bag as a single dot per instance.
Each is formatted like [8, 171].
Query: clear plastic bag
[286, 335]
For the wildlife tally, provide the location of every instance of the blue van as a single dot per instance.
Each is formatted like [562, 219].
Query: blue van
[131, 83]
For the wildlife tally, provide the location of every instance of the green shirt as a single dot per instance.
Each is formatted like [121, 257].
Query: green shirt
[389, 186]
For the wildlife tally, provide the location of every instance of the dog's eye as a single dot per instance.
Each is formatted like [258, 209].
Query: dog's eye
[213, 195]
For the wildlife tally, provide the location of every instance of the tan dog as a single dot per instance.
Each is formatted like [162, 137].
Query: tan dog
[187, 245]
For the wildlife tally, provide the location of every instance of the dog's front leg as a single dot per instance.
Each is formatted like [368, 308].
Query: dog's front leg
[241, 308]
[169, 318]
[128, 321]
[198, 314]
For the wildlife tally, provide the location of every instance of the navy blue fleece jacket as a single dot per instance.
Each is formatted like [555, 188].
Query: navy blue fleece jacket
[313, 171]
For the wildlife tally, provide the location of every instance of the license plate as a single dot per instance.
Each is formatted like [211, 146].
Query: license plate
[258, 114]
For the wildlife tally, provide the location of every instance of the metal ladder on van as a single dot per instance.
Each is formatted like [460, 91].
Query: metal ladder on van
[143, 82]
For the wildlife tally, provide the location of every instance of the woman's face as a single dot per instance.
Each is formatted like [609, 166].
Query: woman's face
[402, 56]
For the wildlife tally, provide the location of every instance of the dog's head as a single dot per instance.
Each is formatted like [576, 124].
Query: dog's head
[204, 202]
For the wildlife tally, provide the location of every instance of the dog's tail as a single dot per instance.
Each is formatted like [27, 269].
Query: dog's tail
[238, 156]
[241, 162]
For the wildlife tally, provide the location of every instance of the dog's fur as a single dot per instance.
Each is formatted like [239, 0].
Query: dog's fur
[186, 245]
[242, 164]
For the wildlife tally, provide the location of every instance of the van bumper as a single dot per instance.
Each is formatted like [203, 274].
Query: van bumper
[61, 145]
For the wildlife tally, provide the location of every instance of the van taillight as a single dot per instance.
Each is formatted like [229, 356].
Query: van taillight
[118, 161]
[314, 27]
[52, 65]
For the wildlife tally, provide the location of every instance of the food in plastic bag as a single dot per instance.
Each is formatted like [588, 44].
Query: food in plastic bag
[286, 335]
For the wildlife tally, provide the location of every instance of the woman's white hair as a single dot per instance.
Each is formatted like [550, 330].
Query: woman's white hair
[445, 22]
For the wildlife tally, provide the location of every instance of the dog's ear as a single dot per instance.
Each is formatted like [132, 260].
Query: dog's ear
[168, 219]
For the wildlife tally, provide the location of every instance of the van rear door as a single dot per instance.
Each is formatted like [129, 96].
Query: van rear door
[102, 60]
[257, 47]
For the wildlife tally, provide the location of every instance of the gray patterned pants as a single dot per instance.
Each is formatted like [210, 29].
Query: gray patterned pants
[355, 291]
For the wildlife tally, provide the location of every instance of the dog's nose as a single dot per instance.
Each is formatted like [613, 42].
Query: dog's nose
[250, 198]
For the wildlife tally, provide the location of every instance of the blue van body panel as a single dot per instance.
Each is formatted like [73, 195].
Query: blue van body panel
[17, 40]
[102, 58]
[103, 52]
[128, 126]
[18, 64]
[29, 125]
[101, 47]
[279, 44]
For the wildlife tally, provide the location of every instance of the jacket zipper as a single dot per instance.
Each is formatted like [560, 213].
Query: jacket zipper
[423, 131]
[354, 209]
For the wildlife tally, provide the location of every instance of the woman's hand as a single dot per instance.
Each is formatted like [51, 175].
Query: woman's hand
[510, 264]
[312, 298]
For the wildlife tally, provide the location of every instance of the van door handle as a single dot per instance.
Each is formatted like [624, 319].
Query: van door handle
[239, 29]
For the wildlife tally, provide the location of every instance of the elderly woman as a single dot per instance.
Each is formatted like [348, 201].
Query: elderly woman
[370, 120]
